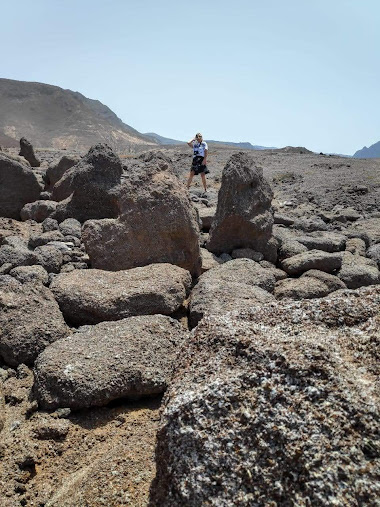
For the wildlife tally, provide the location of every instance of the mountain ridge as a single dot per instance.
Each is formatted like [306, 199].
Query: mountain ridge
[372, 151]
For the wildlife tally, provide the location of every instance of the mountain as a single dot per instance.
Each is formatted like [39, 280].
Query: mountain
[372, 152]
[244, 146]
[51, 117]
[162, 140]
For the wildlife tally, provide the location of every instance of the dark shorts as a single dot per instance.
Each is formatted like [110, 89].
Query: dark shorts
[197, 167]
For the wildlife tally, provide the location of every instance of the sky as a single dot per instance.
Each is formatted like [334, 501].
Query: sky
[270, 72]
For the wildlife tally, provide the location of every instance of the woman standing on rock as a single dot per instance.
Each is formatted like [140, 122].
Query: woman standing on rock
[200, 150]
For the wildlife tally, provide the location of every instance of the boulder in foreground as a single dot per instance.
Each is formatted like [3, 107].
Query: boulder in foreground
[30, 320]
[275, 406]
[92, 296]
[125, 359]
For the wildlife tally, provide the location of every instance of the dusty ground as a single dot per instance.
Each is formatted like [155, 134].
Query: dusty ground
[95, 457]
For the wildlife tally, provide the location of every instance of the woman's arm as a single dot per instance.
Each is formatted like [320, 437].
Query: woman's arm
[190, 143]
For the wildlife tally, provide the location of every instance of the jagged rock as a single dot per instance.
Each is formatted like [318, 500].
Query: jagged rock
[157, 222]
[27, 151]
[15, 251]
[239, 283]
[280, 218]
[26, 274]
[244, 217]
[206, 216]
[326, 241]
[312, 284]
[357, 271]
[276, 406]
[374, 253]
[18, 186]
[312, 259]
[310, 224]
[290, 248]
[45, 238]
[368, 229]
[209, 260]
[49, 224]
[125, 359]
[356, 246]
[89, 297]
[89, 189]
[55, 172]
[30, 319]
[71, 227]
[38, 210]
[49, 257]
[247, 253]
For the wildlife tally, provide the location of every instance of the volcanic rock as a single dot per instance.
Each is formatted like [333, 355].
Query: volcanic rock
[92, 296]
[312, 284]
[275, 406]
[129, 358]
[374, 253]
[26, 274]
[15, 251]
[38, 210]
[244, 217]
[55, 172]
[30, 319]
[157, 222]
[71, 227]
[27, 151]
[313, 259]
[18, 186]
[239, 283]
[88, 190]
[357, 271]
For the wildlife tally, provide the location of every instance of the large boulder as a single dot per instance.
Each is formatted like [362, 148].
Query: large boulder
[18, 186]
[312, 259]
[55, 172]
[358, 271]
[92, 296]
[244, 217]
[89, 189]
[125, 359]
[15, 251]
[239, 283]
[38, 210]
[30, 319]
[312, 284]
[27, 151]
[276, 406]
[157, 222]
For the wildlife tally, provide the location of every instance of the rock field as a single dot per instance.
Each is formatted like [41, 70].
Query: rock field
[163, 347]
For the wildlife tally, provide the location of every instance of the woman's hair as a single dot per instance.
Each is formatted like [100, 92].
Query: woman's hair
[198, 135]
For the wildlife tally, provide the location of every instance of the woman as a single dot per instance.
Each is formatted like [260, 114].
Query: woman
[200, 150]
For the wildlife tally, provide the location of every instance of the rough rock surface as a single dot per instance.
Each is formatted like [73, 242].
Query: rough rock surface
[71, 227]
[244, 217]
[373, 253]
[357, 271]
[15, 251]
[157, 222]
[55, 172]
[30, 320]
[129, 358]
[312, 284]
[27, 151]
[88, 190]
[92, 296]
[30, 274]
[38, 210]
[312, 259]
[276, 406]
[239, 283]
[18, 186]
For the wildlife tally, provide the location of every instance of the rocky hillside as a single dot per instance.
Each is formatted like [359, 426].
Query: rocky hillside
[55, 118]
[372, 152]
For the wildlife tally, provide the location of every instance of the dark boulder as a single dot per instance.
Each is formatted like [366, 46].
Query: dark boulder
[27, 151]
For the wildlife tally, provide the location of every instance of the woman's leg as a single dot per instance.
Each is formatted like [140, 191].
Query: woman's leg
[191, 176]
[203, 176]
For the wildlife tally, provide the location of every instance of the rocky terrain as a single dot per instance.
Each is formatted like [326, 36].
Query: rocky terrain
[165, 347]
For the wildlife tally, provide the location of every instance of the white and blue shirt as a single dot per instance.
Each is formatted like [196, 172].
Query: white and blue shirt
[199, 149]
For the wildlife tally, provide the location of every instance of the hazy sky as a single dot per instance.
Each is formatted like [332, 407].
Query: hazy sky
[271, 72]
